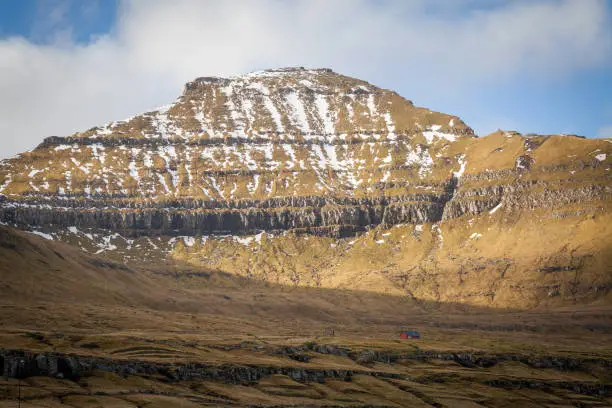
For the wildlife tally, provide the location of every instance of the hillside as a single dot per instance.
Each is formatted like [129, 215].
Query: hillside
[82, 331]
[304, 177]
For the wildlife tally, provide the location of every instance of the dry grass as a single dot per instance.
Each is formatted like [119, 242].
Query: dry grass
[68, 305]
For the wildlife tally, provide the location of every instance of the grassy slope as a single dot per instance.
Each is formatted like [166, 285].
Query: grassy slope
[498, 259]
[527, 253]
[169, 314]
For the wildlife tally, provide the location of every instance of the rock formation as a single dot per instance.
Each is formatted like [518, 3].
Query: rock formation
[309, 152]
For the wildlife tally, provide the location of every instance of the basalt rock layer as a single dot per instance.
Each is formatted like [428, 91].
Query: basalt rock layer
[297, 154]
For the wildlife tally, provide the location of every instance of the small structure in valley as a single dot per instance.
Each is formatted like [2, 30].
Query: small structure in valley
[410, 334]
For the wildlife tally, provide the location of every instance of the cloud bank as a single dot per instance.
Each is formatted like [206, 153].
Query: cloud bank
[605, 131]
[432, 47]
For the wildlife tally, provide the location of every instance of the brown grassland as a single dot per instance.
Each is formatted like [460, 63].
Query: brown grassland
[56, 299]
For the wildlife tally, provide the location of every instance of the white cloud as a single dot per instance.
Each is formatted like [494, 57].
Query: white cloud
[605, 132]
[156, 46]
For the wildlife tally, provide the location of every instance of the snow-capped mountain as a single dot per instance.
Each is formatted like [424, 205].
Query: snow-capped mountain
[235, 162]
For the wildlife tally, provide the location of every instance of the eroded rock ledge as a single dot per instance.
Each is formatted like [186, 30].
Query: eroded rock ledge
[304, 138]
[336, 216]
[23, 364]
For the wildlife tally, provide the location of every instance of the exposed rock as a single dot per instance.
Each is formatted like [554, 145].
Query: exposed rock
[23, 364]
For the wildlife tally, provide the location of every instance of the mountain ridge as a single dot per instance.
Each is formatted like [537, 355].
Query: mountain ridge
[239, 167]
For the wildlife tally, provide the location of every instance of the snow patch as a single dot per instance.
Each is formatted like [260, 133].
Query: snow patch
[298, 113]
[325, 114]
[42, 234]
[497, 207]
[421, 158]
[390, 126]
[246, 241]
[462, 163]
[434, 132]
[34, 172]
[252, 185]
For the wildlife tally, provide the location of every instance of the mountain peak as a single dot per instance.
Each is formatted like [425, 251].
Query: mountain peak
[309, 79]
[291, 71]
[289, 76]
[284, 103]
[229, 139]
[267, 73]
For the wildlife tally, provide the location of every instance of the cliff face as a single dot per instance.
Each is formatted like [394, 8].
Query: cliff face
[314, 153]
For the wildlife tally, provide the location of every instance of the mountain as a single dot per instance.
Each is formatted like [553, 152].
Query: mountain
[307, 177]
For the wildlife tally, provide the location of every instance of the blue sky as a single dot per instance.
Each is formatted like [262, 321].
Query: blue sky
[542, 66]
[39, 20]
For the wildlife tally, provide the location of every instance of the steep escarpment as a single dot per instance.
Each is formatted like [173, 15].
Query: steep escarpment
[313, 214]
[20, 364]
[532, 172]
[308, 177]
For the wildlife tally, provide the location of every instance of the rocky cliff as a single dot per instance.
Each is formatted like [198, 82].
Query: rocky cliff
[294, 155]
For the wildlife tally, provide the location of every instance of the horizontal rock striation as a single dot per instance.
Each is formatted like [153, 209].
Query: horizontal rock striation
[523, 195]
[320, 214]
[337, 216]
[23, 364]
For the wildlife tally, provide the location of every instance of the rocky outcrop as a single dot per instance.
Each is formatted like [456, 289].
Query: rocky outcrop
[338, 216]
[23, 364]
[464, 358]
[523, 196]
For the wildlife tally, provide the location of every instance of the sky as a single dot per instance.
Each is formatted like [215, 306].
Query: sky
[536, 66]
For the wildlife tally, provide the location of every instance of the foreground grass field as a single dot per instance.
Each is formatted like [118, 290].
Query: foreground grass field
[448, 368]
[166, 336]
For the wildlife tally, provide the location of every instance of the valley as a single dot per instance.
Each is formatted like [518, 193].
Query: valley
[148, 336]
